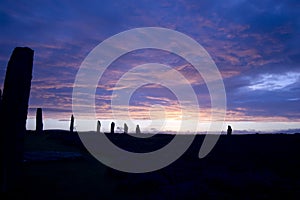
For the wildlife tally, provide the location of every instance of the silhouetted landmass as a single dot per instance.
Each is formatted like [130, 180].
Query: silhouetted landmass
[50, 156]
[14, 114]
[239, 167]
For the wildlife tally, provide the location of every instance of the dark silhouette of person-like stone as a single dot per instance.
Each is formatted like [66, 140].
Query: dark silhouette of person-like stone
[98, 126]
[112, 127]
[137, 130]
[229, 130]
[125, 128]
[72, 124]
[39, 121]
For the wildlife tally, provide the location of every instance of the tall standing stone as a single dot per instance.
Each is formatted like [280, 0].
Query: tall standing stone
[112, 127]
[72, 124]
[125, 128]
[137, 130]
[39, 121]
[98, 126]
[229, 130]
[14, 115]
[0, 100]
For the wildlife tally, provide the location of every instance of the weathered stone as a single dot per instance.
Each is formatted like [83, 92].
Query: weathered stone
[137, 130]
[14, 115]
[229, 130]
[125, 128]
[98, 126]
[112, 127]
[72, 124]
[39, 120]
[0, 100]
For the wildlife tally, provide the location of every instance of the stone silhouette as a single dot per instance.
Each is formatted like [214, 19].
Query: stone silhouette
[137, 130]
[39, 121]
[125, 128]
[14, 115]
[0, 99]
[98, 126]
[112, 127]
[229, 130]
[72, 124]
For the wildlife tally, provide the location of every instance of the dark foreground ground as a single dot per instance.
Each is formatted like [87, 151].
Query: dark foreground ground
[239, 167]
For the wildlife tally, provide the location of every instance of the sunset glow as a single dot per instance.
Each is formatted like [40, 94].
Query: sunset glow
[255, 45]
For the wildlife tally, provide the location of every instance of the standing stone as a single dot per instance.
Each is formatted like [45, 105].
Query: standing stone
[112, 127]
[39, 121]
[0, 100]
[98, 126]
[137, 130]
[72, 124]
[14, 115]
[125, 128]
[229, 130]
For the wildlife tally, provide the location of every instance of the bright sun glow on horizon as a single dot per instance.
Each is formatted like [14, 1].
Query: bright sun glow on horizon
[173, 126]
[256, 53]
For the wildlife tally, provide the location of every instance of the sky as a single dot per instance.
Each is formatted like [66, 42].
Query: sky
[254, 44]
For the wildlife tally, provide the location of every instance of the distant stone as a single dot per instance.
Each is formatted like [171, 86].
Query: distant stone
[229, 130]
[137, 130]
[39, 120]
[98, 126]
[112, 127]
[125, 128]
[72, 124]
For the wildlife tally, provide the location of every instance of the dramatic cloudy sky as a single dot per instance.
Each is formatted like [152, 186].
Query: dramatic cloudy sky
[254, 43]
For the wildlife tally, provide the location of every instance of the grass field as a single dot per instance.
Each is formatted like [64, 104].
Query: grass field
[239, 167]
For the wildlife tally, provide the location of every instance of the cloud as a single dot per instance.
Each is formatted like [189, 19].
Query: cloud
[272, 82]
[255, 45]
